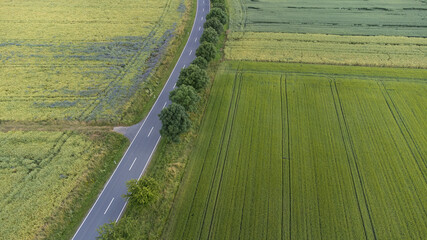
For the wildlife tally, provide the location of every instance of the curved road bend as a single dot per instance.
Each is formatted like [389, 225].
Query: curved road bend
[109, 205]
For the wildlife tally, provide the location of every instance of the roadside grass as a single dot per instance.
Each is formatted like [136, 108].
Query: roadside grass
[41, 174]
[141, 103]
[290, 151]
[114, 145]
[167, 167]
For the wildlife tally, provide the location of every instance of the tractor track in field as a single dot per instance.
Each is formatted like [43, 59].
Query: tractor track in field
[218, 158]
[203, 166]
[416, 154]
[354, 157]
[233, 117]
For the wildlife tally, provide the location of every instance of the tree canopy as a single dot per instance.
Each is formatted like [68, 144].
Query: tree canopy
[209, 35]
[175, 121]
[185, 96]
[200, 62]
[214, 23]
[143, 191]
[193, 76]
[217, 13]
[206, 50]
[219, 5]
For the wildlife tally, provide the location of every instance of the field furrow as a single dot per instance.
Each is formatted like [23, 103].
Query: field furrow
[284, 153]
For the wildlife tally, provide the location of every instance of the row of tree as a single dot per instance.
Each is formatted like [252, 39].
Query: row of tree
[175, 119]
[193, 79]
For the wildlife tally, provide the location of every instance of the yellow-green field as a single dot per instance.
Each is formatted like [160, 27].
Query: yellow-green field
[79, 60]
[387, 51]
[63, 66]
[295, 151]
[40, 174]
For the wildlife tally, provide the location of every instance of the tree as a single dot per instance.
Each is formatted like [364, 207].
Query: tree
[207, 51]
[200, 62]
[185, 96]
[142, 192]
[193, 76]
[209, 35]
[217, 13]
[107, 231]
[175, 121]
[219, 5]
[217, 1]
[215, 24]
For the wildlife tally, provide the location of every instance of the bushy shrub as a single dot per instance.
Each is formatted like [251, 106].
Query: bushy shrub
[143, 191]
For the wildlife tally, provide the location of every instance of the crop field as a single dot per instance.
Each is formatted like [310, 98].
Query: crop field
[328, 49]
[79, 60]
[39, 172]
[369, 33]
[370, 17]
[291, 151]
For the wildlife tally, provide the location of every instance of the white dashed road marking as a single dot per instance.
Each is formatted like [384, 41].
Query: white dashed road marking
[132, 164]
[150, 131]
[108, 206]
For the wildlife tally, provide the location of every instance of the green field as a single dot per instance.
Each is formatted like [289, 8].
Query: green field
[290, 151]
[340, 17]
[80, 60]
[40, 173]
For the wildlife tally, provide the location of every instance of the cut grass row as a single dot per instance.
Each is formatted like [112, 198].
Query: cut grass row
[286, 154]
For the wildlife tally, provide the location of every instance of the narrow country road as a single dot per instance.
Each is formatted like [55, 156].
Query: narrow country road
[109, 205]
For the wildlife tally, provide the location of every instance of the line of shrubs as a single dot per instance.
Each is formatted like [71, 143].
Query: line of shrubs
[193, 79]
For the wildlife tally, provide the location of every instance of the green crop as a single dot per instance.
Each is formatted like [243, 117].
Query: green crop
[373, 17]
[292, 151]
[368, 33]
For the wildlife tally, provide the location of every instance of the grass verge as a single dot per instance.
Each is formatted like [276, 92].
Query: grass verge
[105, 161]
[141, 103]
[167, 167]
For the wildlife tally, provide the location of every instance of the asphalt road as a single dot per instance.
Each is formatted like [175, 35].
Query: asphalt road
[109, 205]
